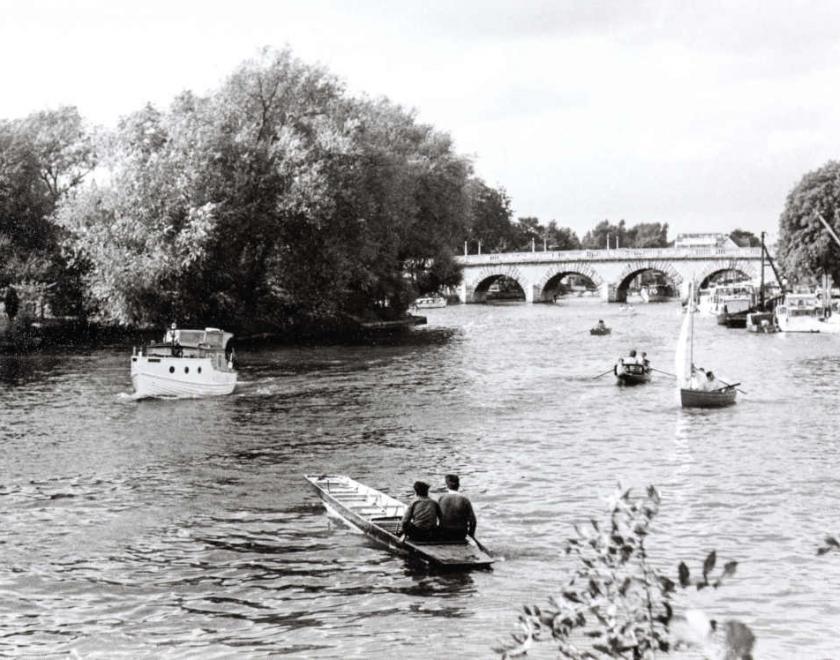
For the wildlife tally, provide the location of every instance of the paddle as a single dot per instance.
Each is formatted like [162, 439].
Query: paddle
[663, 372]
[481, 546]
[727, 386]
[608, 371]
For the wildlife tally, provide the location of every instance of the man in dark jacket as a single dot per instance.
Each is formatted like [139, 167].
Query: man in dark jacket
[420, 521]
[457, 518]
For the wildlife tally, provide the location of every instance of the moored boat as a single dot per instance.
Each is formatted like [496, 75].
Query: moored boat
[378, 516]
[187, 363]
[655, 293]
[804, 312]
[429, 302]
[631, 373]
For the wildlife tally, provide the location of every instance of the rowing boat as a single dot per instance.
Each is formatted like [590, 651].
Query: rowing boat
[378, 517]
[629, 373]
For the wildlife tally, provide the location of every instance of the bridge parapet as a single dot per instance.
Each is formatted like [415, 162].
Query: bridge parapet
[620, 254]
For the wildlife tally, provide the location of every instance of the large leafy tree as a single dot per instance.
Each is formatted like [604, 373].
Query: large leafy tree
[276, 196]
[42, 157]
[805, 248]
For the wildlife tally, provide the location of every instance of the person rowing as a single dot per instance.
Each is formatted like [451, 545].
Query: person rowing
[457, 518]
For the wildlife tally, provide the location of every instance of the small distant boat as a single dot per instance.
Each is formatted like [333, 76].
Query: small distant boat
[429, 302]
[187, 363]
[761, 322]
[631, 373]
[600, 329]
[692, 396]
[378, 517]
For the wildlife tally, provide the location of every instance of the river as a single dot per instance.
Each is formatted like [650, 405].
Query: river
[185, 528]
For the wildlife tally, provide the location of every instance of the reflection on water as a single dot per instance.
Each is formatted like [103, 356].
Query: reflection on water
[179, 528]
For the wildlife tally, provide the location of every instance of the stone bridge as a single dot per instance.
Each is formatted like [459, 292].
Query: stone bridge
[539, 273]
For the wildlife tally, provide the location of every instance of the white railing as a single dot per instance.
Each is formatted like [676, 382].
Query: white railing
[620, 254]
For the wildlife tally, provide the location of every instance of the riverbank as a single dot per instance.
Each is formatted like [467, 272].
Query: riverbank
[70, 332]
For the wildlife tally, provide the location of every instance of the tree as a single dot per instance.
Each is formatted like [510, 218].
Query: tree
[276, 197]
[604, 231]
[649, 235]
[489, 218]
[744, 238]
[805, 248]
[527, 232]
[561, 238]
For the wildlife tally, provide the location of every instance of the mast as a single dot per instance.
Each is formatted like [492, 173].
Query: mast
[761, 288]
[691, 326]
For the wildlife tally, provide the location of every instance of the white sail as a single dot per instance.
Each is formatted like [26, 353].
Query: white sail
[682, 358]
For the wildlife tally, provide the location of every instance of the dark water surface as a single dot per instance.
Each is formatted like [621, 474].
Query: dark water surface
[185, 529]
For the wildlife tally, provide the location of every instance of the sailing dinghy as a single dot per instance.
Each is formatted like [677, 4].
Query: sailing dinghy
[378, 517]
[691, 395]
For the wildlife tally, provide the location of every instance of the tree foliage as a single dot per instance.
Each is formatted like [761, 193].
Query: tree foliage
[42, 157]
[642, 235]
[745, 238]
[277, 195]
[805, 248]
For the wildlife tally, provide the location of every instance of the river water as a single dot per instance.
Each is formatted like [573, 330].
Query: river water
[185, 528]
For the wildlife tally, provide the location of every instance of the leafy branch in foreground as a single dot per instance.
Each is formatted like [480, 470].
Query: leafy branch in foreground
[616, 604]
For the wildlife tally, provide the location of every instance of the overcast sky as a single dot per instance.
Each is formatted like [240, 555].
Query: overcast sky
[700, 114]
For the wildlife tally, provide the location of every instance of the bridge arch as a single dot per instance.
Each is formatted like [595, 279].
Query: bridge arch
[745, 268]
[546, 287]
[636, 268]
[479, 285]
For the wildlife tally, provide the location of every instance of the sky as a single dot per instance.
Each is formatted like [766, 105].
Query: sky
[700, 114]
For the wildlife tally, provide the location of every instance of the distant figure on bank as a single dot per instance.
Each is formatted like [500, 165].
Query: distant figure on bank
[420, 521]
[457, 518]
[11, 303]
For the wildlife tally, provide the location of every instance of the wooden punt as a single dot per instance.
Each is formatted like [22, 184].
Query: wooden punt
[631, 374]
[599, 331]
[708, 399]
[378, 517]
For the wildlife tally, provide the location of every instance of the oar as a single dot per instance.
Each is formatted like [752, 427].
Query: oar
[663, 372]
[734, 385]
[608, 371]
[481, 546]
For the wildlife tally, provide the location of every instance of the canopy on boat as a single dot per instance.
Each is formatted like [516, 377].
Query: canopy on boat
[209, 338]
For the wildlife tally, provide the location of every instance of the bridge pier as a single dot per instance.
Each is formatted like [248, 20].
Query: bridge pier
[611, 293]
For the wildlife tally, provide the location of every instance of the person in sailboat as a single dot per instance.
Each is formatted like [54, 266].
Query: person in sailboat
[698, 378]
[712, 383]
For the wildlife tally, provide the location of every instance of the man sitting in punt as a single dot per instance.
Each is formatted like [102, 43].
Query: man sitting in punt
[420, 521]
[457, 518]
